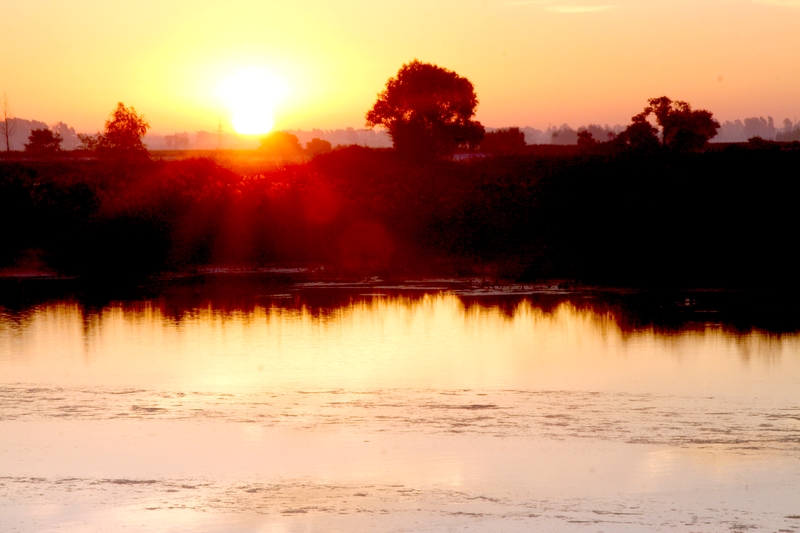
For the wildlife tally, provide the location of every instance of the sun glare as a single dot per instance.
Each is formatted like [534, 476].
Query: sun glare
[252, 96]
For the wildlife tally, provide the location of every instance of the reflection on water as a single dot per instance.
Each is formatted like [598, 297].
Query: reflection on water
[251, 407]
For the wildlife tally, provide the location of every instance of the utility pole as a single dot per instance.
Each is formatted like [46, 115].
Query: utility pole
[219, 134]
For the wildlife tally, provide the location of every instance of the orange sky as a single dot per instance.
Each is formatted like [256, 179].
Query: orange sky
[532, 62]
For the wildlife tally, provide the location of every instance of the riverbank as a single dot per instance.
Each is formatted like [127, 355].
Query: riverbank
[720, 219]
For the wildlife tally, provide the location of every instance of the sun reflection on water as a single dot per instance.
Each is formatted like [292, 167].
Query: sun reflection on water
[334, 411]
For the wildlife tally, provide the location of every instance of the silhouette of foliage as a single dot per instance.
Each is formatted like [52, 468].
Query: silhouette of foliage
[586, 141]
[553, 214]
[43, 142]
[69, 137]
[600, 133]
[564, 135]
[682, 129]
[281, 144]
[759, 127]
[504, 141]
[640, 136]
[318, 146]
[790, 133]
[428, 111]
[88, 141]
[122, 136]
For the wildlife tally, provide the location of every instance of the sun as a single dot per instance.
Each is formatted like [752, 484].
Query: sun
[252, 94]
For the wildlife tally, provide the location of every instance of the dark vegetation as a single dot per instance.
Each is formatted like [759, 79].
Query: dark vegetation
[714, 219]
[427, 111]
[652, 206]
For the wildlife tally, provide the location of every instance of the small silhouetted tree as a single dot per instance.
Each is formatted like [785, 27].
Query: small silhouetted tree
[281, 144]
[682, 129]
[7, 123]
[88, 141]
[318, 146]
[504, 141]
[43, 142]
[428, 111]
[122, 136]
[586, 141]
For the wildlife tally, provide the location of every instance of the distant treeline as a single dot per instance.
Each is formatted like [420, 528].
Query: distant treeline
[730, 131]
[724, 218]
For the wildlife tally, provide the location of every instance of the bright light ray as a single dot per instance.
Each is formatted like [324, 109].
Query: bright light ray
[252, 95]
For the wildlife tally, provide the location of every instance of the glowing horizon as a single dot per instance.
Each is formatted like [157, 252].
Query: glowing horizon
[533, 63]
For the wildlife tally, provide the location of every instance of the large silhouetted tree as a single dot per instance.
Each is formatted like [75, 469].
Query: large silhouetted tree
[428, 111]
[682, 128]
[122, 136]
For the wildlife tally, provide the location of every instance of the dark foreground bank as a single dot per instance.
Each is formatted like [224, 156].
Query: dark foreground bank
[719, 219]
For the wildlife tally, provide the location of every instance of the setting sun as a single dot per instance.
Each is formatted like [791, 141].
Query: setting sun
[252, 95]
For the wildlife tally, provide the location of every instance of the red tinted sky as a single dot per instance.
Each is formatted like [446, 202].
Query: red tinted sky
[532, 62]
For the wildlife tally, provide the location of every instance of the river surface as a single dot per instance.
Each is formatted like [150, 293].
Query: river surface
[438, 406]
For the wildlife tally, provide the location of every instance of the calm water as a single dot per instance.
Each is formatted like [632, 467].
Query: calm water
[250, 407]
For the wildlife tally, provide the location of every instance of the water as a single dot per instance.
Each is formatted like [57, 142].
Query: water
[254, 407]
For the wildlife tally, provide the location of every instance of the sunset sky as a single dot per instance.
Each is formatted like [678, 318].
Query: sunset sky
[533, 62]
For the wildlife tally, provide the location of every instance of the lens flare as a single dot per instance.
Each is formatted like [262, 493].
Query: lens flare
[252, 95]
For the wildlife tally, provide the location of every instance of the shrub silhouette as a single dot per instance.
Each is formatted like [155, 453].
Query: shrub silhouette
[281, 144]
[317, 146]
[43, 142]
[504, 141]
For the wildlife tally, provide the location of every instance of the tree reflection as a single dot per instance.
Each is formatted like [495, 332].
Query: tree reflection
[237, 295]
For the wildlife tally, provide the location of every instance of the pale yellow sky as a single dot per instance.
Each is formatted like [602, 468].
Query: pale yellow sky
[532, 62]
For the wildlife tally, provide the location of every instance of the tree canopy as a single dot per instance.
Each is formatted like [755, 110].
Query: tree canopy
[428, 111]
[318, 146]
[682, 128]
[122, 136]
[281, 144]
[640, 136]
[43, 142]
[504, 141]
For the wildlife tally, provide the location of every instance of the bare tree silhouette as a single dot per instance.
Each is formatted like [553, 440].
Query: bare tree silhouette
[8, 125]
